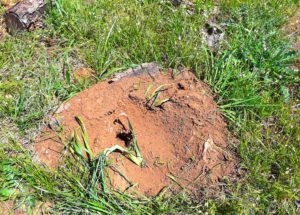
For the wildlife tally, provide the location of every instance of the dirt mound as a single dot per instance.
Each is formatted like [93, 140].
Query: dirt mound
[181, 135]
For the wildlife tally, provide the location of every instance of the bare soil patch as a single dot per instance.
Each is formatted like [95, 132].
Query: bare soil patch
[7, 209]
[292, 29]
[181, 135]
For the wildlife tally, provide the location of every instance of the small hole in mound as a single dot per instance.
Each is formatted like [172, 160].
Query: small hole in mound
[126, 137]
[209, 29]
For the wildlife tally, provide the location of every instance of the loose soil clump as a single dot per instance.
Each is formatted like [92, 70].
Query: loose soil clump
[181, 135]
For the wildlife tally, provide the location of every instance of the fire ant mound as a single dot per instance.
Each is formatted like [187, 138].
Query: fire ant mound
[179, 131]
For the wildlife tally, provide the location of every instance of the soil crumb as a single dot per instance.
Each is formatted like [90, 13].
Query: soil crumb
[179, 130]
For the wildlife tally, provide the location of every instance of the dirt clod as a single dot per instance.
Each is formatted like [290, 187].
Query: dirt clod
[182, 137]
[84, 75]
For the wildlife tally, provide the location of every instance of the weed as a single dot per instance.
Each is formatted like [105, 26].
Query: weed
[153, 98]
[135, 144]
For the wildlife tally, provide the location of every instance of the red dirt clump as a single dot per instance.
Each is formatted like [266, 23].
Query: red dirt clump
[184, 138]
[84, 75]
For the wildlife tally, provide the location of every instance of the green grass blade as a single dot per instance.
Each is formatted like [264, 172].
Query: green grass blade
[134, 140]
[85, 138]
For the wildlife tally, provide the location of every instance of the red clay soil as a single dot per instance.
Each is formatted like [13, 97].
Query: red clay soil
[184, 140]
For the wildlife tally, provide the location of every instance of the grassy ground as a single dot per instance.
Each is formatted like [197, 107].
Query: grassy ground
[251, 73]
